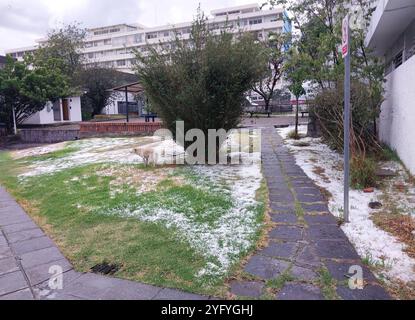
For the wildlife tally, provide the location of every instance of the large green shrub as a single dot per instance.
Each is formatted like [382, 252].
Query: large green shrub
[327, 109]
[202, 80]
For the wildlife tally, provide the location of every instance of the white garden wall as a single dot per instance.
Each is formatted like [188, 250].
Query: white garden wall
[397, 118]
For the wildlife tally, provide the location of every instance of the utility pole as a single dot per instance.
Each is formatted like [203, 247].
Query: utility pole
[346, 56]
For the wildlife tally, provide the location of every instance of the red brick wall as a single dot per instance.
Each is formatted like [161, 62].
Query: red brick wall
[115, 127]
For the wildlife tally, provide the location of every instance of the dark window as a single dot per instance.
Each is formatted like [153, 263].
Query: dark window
[255, 21]
[398, 60]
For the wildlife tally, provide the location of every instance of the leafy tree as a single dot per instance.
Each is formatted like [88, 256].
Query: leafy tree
[271, 64]
[26, 89]
[318, 42]
[296, 76]
[201, 81]
[96, 82]
[63, 48]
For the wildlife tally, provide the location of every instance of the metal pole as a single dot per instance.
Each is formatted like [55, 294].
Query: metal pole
[347, 131]
[126, 103]
[14, 121]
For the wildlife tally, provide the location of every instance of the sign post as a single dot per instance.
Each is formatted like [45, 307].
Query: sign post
[346, 56]
[14, 121]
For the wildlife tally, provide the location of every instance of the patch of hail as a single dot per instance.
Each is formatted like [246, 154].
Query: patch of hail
[367, 238]
[90, 151]
[38, 151]
[139, 179]
[223, 241]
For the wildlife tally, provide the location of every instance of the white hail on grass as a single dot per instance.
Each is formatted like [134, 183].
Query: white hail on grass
[368, 239]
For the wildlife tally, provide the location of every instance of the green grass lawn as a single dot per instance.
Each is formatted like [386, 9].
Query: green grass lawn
[167, 226]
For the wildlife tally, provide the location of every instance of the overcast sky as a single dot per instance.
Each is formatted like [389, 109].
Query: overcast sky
[24, 21]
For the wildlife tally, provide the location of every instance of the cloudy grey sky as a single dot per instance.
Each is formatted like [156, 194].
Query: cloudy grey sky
[24, 21]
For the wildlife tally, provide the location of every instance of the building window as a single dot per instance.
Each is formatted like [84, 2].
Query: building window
[107, 42]
[255, 21]
[152, 36]
[274, 18]
[166, 33]
[90, 55]
[397, 61]
[120, 63]
[97, 33]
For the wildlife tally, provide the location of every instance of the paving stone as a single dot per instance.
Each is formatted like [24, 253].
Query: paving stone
[304, 198]
[5, 252]
[283, 208]
[11, 208]
[320, 219]
[279, 187]
[32, 245]
[290, 233]
[3, 241]
[280, 249]
[25, 235]
[6, 204]
[302, 273]
[281, 197]
[40, 273]
[337, 249]
[10, 220]
[284, 217]
[171, 294]
[265, 267]
[251, 289]
[317, 232]
[5, 197]
[315, 207]
[19, 227]
[307, 191]
[43, 291]
[21, 295]
[370, 292]
[8, 265]
[308, 256]
[93, 286]
[298, 291]
[302, 184]
[295, 172]
[40, 257]
[12, 282]
[340, 271]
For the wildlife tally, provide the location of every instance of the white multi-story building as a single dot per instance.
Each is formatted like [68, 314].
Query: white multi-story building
[113, 46]
[392, 36]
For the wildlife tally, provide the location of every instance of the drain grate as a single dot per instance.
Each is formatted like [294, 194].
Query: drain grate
[105, 268]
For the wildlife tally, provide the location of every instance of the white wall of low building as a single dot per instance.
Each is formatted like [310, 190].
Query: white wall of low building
[112, 108]
[75, 112]
[46, 115]
[397, 118]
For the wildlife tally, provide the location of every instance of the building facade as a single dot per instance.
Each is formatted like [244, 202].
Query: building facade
[2, 61]
[114, 46]
[392, 36]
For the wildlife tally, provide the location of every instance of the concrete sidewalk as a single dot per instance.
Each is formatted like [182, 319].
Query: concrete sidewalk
[27, 254]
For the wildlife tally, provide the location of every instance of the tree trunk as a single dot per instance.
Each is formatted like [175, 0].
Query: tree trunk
[296, 118]
[267, 101]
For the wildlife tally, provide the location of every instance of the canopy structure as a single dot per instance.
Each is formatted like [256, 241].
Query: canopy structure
[134, 88]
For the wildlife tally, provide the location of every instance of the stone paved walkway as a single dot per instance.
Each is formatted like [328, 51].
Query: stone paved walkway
[305, 240]
[26, 254]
